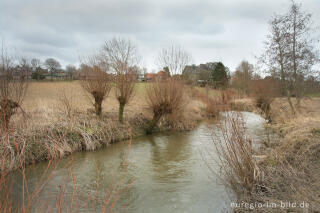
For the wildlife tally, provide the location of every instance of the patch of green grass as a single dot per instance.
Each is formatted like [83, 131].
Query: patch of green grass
[315, 131]
[315, 95]
[141, 87]
[211, 92]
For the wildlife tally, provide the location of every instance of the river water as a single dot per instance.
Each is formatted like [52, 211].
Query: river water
[166, 172]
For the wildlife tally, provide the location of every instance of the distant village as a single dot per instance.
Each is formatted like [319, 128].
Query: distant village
[51, 70]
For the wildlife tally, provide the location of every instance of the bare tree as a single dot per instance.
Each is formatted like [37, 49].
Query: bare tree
[35, 63]
[52, 65]
[13, 86]
[71, 70]
[242, 77]
[175, 58]
[289, 51]
[36, 67]
[302, 54]
[276, 54]
[24, 66]
[121, 55]
[164, 96]
[96, 81]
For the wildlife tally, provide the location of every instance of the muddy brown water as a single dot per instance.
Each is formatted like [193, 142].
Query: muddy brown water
[167, 172]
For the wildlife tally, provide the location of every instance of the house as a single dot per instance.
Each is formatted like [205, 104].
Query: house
[160, 75]
[56, 76]
[150, 77]
[141, 77]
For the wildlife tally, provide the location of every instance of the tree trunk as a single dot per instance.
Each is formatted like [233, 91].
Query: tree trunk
[283, 83]
[121, 110]
[290, 102]
[7, 109]
[153, 123]
[98, 107]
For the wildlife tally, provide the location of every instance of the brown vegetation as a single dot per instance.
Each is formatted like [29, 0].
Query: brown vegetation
[125, 87]
[68, 126]
[239, 170]
[12, 89]
[264, 91]
[164, 97]
[214, 104]
[121, 56]
[66, 199]
[291, 164]
[97, 83]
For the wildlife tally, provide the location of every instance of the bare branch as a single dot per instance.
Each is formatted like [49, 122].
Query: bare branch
[175, 58]
[121, 56]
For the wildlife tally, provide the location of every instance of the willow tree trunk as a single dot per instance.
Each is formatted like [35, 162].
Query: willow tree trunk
[7, 109]
[121, 110]
[98, 107]
[153, 123]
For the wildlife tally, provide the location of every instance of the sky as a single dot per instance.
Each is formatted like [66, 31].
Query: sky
[210, 30]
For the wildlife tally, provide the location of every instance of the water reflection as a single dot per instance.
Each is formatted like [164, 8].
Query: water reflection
[167, 156]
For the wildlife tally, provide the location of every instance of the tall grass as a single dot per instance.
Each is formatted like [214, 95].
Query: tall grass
[238, 168]
[215, 104]
[38, 199]
[264, 92]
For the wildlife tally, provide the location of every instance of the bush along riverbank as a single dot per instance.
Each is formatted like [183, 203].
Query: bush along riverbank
[61, 135]
[284, 175]
[54, 132]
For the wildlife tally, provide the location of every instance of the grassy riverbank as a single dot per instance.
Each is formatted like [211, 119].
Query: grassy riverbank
[291, 165]
[59, 120]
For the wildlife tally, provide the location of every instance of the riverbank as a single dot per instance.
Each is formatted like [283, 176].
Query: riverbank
[291, 164]
[57, 124]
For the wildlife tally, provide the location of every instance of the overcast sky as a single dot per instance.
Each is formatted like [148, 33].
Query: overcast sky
[211, 30]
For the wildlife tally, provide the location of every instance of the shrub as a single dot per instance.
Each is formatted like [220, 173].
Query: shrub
[121, 55]
[264, 91]
[13, 86]
[164, 97]
[216, 104]
[97, 83]
[238, 168]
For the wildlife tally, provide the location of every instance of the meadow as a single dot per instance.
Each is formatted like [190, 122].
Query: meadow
[47, 96]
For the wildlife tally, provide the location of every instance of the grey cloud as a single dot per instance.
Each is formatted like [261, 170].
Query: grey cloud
[228, 30]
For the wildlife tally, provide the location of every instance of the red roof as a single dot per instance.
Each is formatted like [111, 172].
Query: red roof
[151, 75]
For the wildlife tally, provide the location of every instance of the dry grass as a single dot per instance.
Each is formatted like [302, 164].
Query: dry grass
[292, 164]
[42, 95]
[288, 170]
[60, 120]
[66, 199]
[238, 168]
[215, 101]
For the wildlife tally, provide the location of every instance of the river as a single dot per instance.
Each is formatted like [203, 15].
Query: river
[166, 172]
